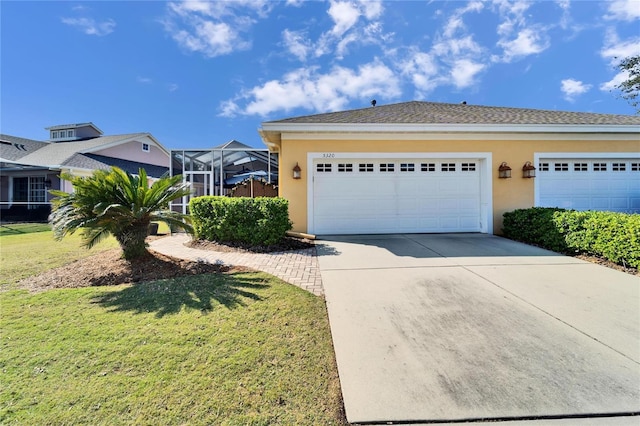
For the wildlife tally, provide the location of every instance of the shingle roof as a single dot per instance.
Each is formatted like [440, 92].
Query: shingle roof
[13, 148]
[101, 162]
[417, 112]
[55, 154]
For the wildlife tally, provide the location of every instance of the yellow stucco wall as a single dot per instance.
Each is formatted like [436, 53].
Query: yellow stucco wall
[508, 194]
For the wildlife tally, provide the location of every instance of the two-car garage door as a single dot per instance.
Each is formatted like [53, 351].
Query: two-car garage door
[611, 184]
[396, 195]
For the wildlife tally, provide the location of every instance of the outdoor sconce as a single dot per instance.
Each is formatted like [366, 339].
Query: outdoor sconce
[47, 183]
[528, 171]
[297, 172]
[504, 171]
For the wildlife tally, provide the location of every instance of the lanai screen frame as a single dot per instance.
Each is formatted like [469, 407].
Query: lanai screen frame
[213, 161]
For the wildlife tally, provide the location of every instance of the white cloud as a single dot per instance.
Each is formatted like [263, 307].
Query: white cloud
[615, 81]
[528, 42]
[143, 80]
[173, 87]
[90, 26]
[623, 10]
[572, 88]
[344, 15]
[464, 71]
[214, 28]
[615, 49]
[422, 69]
[308, 89]
[296, 44]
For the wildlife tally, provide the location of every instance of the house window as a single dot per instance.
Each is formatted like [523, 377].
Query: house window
[428, 167]
[407, 167]
[387, 167]
[468, 167]
[54, 135]
[29, 190]
[145, 147]
[365, 167]
[345, 167]
[599, 167]
[70, 133]
[561, 167]
[635, 167]
[448, 167]
[580, 167]
[619, 167]
[544, 167]
[323, 167]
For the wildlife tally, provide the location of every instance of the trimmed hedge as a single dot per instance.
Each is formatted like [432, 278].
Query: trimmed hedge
[535, 226]
[614, 236]
[256, 221]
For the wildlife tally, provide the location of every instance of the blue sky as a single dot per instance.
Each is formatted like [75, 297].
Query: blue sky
[198, 74]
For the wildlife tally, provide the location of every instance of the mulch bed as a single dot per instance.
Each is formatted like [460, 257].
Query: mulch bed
[287, 244]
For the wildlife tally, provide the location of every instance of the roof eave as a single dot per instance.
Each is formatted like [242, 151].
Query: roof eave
[270, 130]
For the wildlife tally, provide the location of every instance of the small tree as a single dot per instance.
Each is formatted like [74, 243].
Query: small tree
[119, 204]
[630, 88]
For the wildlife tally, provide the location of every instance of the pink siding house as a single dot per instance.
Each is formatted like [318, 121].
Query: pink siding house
[29, 168]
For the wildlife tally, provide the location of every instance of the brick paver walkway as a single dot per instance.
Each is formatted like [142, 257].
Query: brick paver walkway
[298, 267]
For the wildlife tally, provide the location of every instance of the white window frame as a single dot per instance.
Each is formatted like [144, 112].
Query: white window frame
[146, 147]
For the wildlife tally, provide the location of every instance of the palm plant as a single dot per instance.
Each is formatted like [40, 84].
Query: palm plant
[113, 202]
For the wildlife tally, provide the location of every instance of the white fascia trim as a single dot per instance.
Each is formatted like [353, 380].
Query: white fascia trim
[538, 156]
[449, 128]
[486, 189]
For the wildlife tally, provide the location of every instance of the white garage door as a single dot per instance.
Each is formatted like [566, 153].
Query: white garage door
[360, 196]
[590, 184]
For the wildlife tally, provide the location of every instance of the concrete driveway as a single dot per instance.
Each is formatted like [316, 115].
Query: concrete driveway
[433, 328]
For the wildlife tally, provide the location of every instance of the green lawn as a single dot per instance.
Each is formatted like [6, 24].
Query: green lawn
[238, 349]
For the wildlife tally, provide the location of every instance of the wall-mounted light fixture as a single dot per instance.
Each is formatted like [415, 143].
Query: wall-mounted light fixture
[47, 183]
[504, 171]
[297, 172]
[528, 171]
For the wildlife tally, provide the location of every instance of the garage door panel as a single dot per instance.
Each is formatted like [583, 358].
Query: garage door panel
[589, 184]
[407, 199]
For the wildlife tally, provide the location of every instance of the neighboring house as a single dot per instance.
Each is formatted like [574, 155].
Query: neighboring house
[427, 167]
[30, 168]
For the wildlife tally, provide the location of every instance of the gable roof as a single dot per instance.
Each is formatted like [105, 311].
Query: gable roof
[417, 112]
[102, 162]
[57, 154]
[13, 148]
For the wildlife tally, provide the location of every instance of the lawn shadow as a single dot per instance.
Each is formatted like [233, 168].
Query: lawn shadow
[192, 292]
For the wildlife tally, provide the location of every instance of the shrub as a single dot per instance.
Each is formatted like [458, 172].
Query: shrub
[534, 226]
[257, 221]
[614, 236]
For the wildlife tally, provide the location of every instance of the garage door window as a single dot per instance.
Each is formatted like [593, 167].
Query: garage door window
[635, 167]
[323, 168]
[428, 167]
[387, 167]
[599, 167]
[448, 167]
[561, 167]
[365, 167]
[580, 167]
[347, 167]
[619, 167]
[544, 167]
[468, 167]
[407, 167]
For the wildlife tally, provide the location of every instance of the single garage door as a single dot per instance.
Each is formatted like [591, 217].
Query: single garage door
[611, 184]
[364, 196]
